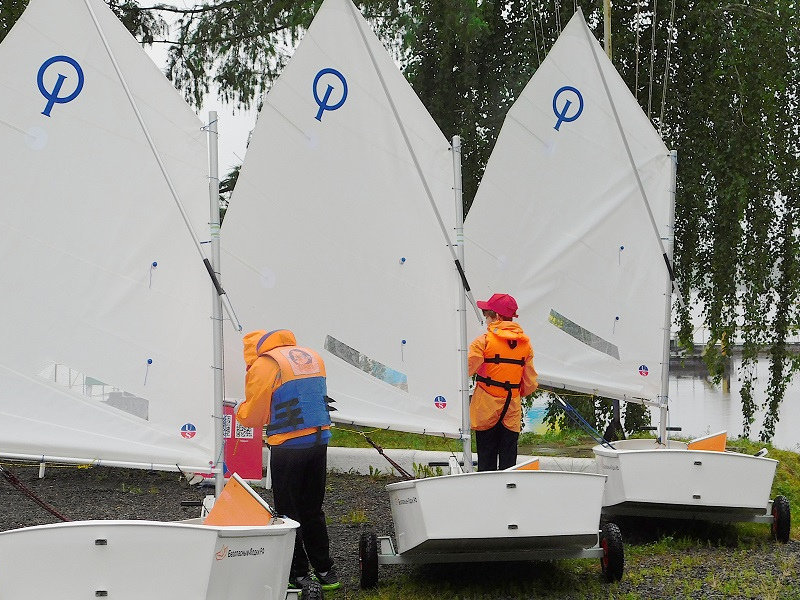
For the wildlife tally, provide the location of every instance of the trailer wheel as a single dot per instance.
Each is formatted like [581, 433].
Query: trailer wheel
[781, 519]
[613, 561]
[368, 559]
[311, 590]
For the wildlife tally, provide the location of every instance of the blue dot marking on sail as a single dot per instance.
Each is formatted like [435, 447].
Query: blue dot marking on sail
[564, 115]
[188, 431]
[324, 102]
[440, 402]
[53, 96]
[643, 370]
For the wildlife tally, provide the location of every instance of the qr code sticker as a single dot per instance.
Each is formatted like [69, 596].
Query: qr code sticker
[244, 432]
[226, 426]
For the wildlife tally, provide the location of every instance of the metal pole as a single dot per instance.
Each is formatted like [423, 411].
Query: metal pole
[219, 382]
[607, 27]
[616, 415]
[669, 243]
[466, 438]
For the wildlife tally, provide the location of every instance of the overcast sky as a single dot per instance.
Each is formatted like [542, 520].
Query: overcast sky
[233, 128]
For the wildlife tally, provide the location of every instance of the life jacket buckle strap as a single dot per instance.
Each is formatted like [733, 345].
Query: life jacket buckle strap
[506, 385]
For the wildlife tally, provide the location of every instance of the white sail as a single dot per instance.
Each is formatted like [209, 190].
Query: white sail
[331, 231]
[106, 352]
[561, 222]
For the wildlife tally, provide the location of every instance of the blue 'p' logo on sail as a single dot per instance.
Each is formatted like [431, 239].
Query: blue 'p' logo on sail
[324, 102]
[569, 95]
[53, 96]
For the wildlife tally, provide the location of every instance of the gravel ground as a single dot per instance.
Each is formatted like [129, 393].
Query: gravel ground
[354, 503]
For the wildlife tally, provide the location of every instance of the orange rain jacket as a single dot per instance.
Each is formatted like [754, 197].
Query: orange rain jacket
[488, 400]
[265, 376]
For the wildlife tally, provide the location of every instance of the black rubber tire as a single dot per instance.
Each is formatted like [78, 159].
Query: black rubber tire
[781, 519]
[311, 590]
[613, 561]
[368, 559]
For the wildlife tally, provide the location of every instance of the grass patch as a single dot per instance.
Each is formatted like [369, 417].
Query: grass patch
[355, 517]
[344, 437]
[556, 439]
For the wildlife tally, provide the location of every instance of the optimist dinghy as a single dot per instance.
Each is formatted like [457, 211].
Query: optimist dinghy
[343, 228]
[107, 345]
[589, 187]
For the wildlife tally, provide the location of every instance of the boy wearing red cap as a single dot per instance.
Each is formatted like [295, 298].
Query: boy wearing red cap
[502, 361]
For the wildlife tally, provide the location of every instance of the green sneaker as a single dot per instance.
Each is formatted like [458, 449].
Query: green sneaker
[329, 580]
[296, 583]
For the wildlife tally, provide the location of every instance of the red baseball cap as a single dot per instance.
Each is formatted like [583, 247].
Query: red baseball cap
[503, 304]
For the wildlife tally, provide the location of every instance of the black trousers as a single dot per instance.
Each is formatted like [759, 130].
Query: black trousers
[298, 487]
[497, 448]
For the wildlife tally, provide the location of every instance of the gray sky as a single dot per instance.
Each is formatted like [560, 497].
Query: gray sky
[234, 127]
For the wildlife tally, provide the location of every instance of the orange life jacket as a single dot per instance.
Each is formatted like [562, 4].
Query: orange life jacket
[504, 360]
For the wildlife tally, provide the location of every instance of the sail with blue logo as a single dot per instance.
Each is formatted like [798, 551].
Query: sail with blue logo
[107, 346]
[332, 233]
[571, 217]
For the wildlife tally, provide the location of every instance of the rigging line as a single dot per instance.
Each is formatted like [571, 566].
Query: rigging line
[593, 45]
[161, 165]
[15, 481]
[558, 16]
[670, 30]
[414, 158]
[638, 36]
[583, 423]
[535, 34]
[652, 61]
[405, 474]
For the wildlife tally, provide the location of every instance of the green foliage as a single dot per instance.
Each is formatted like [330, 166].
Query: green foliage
[421, 471]
[735, 120]
[10, 11]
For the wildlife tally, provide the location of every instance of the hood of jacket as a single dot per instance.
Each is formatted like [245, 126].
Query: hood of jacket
[507, 330]
[258, 342]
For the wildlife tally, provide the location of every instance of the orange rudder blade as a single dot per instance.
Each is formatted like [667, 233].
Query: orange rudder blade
[530, 465]
[715, 442]
[237, 505]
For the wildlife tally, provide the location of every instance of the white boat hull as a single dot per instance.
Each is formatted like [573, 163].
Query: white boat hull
[497, 511]
[675, 481]
[146, 559]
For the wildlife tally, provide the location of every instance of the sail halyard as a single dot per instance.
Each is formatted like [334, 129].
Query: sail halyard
[634, 169]
[414, 157]
[162, 166]
[107, 358]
